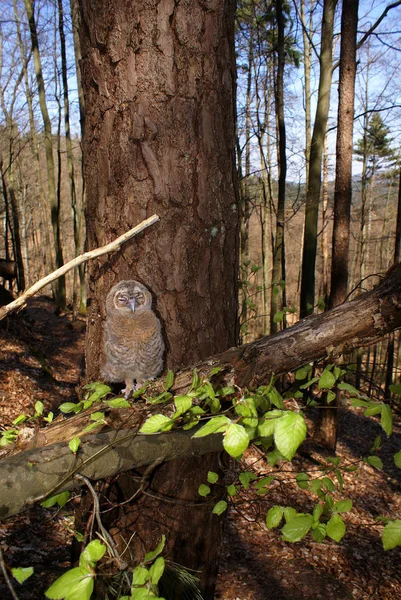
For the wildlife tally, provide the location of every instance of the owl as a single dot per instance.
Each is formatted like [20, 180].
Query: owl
[133, 341]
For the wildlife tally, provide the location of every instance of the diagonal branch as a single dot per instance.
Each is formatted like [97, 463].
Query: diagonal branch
[75, 262]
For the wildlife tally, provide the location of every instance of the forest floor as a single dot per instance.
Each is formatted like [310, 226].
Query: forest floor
[42, 359]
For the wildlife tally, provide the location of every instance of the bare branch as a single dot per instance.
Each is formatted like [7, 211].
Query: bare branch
[75, 262]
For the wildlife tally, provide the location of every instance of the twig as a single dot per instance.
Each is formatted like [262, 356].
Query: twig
[75, 262]
[105, 535]
[6, 577]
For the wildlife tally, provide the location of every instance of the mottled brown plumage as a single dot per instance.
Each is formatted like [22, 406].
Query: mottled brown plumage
[133, 339]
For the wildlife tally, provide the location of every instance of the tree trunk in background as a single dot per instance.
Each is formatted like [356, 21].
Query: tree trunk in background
[344, 151]
[51, 183]
[245, 186]
[328, 416]
[79, 214]
[325, 224]
[390, 348]
[307, 53]
[47, 257]
[278, 273]
[159, 138]
[307, 299]
[75, 204]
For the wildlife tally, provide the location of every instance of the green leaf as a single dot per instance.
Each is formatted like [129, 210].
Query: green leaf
[212, 477]
[374, 408]
[330, 396]
[264, 482]
[319, 532]
[246, 408]
[397, 459]
[74, 444]
[140, 576]
[289, 513]
[340, 480]
[118, 403]
[93, 552]
[158, 550]
[278, 316]
[274, 516]
[203, 490]
[297, 528]
[220, 507]
[391, 535]
[68, 407]
[216, 425]
[376, 444]
[75, 584]
[268, 423]
[346, 387]
[157, 570]
[21, 574]
[317, 512]
[289, 433]
[302, 480]
[386, 420]
[60, 499]
[276, 398]
[169, 380]
[39, 407]
[328, 483]
[247, 476]
[303, 372]
[326, 380]
[335, 528]
[235, 440]
[231, 490]
[375, 462]
[308, 383]
[214, 371]
[156, 423]
[316, 487]
[395, 389]
[182, 404]
[20, 419]
[161, 398]
[342, 506]
[357, 402]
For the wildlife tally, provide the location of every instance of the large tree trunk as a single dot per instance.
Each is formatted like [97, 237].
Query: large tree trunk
[159, 137]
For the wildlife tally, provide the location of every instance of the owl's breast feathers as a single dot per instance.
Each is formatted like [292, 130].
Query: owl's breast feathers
[138, 328]
[134, 347]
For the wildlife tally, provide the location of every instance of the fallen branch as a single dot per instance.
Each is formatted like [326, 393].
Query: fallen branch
[47, 464]
[75, 262]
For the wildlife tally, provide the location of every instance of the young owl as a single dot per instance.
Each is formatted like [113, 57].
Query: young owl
[133, 339]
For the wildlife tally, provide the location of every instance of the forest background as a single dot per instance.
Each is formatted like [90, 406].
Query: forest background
[42, 202]
[289, 158]
[295, 147]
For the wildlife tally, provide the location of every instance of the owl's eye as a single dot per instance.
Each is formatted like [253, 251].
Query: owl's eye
[122, 299]
[139, 297]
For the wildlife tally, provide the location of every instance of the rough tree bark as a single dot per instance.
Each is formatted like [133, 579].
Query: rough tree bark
[46, 460]
[159, 80]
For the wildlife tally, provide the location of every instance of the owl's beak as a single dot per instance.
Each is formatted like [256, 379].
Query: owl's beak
[132, 304]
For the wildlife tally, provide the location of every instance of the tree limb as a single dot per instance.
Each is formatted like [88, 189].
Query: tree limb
[75, 262]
